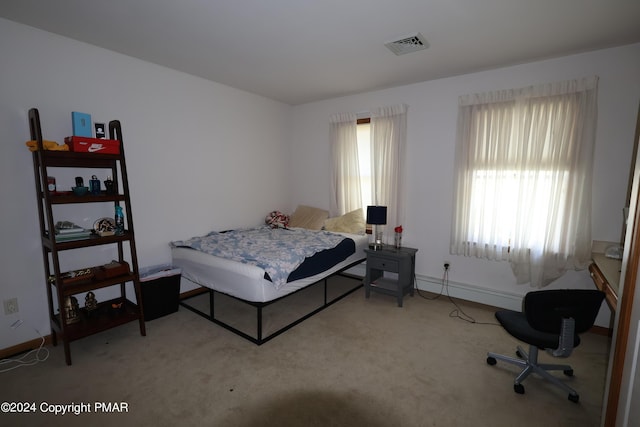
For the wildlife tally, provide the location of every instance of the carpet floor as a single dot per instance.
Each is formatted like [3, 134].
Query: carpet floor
[360, 362]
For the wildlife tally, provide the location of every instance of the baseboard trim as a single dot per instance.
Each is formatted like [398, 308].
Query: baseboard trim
[193, 293]
[475, 294]
[601, 330]
[24, 347]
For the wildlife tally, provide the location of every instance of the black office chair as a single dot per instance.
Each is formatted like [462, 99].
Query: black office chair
[551, 320]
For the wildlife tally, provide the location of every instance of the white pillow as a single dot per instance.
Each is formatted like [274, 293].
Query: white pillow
[352, 222]
[308, 217]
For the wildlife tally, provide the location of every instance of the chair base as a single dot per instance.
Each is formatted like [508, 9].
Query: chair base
[529, 364]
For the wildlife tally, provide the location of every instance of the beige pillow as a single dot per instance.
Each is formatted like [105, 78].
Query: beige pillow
[308, 217]
[352, 222]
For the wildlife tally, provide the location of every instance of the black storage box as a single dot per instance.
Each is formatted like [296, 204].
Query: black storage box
[160, 287]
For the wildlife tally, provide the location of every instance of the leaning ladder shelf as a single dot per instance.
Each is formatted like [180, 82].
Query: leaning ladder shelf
[107, 314]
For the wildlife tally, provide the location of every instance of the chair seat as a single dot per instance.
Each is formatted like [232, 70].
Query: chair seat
[515, 323]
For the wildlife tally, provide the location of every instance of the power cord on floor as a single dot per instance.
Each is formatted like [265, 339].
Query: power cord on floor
[457, 311]
[30, 358]
[415, 282]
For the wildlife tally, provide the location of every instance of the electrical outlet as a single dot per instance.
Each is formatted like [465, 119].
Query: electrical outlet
[10, 306]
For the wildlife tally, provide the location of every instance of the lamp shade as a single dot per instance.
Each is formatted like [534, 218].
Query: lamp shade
[376, 215]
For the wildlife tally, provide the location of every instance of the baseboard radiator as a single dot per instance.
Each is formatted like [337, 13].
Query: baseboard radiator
[474, 293]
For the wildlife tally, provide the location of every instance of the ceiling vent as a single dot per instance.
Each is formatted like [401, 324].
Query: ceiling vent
[411, 43]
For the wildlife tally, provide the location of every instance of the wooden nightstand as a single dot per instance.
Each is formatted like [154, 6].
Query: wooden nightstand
[401, 261]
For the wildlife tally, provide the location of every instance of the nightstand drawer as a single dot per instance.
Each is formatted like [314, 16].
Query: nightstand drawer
[383, 264]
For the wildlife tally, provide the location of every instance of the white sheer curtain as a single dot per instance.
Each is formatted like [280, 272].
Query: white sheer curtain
[524, 162]
[388, 145]
[388, 141]
[346, 194]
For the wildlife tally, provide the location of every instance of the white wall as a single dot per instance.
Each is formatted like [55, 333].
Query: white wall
[204, 156]
[431, 129]
[200, 155]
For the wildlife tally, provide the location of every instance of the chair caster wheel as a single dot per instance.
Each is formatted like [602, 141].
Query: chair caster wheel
[568, 372]
[574, 398]
[519, 388]
[519, 354]
[491, 360]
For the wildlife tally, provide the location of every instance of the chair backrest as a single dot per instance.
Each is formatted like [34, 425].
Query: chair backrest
[546, 309]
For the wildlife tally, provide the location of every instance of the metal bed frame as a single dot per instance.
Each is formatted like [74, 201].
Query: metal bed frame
[259, 339]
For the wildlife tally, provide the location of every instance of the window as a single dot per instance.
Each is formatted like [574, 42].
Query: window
[495, 188]
[369, 174]
[523, 178]
[364, 161]
[514, 183]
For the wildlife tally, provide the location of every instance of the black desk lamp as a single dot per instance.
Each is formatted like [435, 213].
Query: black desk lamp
[377, 216]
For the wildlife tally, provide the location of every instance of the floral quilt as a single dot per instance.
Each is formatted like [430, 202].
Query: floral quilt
[278, 251]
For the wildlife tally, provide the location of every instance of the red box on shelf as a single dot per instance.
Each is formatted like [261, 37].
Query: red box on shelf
[83, 144]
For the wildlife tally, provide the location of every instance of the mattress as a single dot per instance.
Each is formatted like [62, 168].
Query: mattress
[246, 281]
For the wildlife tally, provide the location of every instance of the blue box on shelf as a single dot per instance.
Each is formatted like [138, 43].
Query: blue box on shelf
[81, 124]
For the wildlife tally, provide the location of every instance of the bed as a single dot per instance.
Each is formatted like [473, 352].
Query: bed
[229, 272]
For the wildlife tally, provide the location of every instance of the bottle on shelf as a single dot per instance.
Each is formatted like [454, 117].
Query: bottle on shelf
[94, 185]
[108, 185]
[119, 219]
[51, 184]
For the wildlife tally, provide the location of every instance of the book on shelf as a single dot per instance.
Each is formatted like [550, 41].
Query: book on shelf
[79, 235]
[67, 227]
[69, 230]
